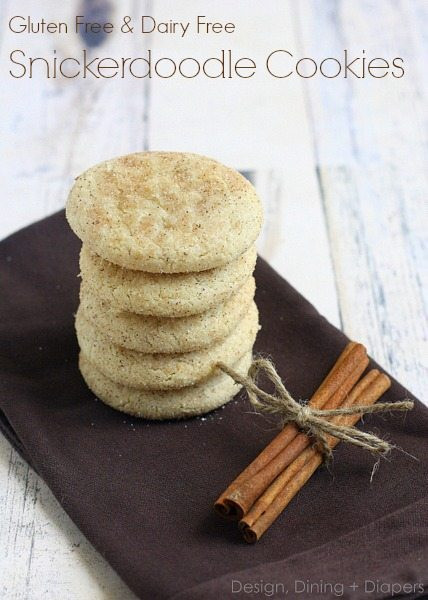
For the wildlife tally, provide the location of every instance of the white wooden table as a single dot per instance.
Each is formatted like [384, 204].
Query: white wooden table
[341, 166]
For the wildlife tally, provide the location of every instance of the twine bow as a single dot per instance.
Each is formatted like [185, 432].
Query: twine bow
[311, 420]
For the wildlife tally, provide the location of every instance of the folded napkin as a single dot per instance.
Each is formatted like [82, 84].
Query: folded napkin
[142, 492]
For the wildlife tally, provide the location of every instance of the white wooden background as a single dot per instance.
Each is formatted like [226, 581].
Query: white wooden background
[340, 164]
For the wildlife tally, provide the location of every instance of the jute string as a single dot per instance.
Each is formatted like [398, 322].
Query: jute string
[311, 420]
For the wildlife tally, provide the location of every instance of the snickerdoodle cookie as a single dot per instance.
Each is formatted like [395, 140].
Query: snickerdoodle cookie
[164, 371]
[165, 212]
[168, 295]
[166, 335]
[166, 404]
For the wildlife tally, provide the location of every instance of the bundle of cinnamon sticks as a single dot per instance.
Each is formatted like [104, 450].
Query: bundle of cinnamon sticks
[262, 491]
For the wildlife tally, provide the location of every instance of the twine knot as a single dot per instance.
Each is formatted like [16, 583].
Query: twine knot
[303, 415]
[312, 421]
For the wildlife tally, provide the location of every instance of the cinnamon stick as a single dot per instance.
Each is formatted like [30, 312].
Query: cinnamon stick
[278, 495]
[281, 440]
[276, 486]
[238, 498]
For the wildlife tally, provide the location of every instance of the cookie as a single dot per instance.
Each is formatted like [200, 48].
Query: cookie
[166, 335]
[171, 404]
[164, 371]
[169, 295]
[165, 212]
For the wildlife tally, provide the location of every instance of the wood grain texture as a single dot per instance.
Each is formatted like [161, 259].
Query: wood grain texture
[372, 175]
[340, 165]
[57, 128]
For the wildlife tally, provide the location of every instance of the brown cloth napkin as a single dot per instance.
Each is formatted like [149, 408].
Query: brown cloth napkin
[142, 492]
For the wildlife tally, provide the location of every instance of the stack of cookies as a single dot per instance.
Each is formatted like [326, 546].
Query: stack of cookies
[167, 288]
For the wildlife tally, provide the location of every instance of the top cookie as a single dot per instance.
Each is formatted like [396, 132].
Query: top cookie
[165, 212]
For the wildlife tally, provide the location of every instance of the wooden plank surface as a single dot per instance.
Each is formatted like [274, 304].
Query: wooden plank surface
[340, 165]
[371, 148]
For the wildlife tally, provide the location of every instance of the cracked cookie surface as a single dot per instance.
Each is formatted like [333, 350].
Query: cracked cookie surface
[166, 334]
[167, 295]
[167, 404]
[165, 212]
[164, 371]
